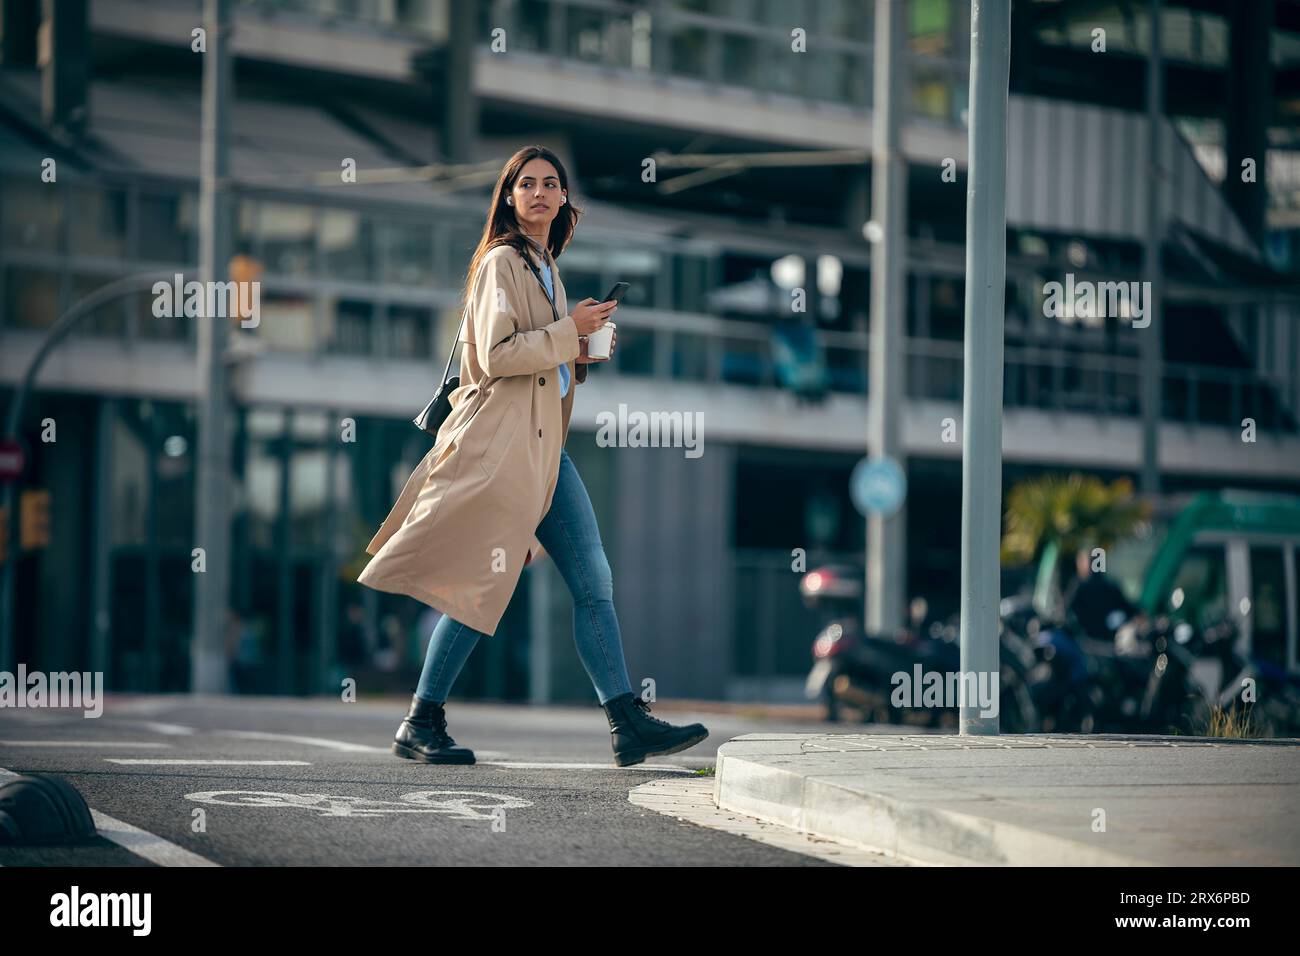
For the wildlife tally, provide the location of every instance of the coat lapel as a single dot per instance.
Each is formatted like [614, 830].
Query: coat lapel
[540, 315]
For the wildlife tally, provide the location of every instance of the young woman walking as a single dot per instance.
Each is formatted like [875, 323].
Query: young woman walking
[498, 488]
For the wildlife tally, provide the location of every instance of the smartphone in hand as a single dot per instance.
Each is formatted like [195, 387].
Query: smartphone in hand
[616, 293]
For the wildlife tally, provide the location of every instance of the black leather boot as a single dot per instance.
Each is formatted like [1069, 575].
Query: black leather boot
[636, 735]
[423, 736]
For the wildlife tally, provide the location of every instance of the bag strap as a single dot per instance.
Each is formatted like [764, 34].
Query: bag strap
[452, 354]
[538, 275]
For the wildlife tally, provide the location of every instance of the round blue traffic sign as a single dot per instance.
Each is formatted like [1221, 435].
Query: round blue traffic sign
[878, 486]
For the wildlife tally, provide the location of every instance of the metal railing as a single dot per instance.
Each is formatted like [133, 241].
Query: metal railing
[1065, 380]
[716, 351]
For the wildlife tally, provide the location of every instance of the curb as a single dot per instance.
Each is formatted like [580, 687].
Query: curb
[909, 832]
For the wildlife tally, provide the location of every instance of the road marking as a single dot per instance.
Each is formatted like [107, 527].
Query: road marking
[175, 730]
[347, 747]
[142, 843]
[461, 804]
[80, 743]
[126, 704]
[692, 801]
[340, 745]
[558, 765]
[207, 763]
[148, 845]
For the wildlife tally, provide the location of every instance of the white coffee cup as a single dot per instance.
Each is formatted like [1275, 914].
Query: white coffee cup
[600, 341]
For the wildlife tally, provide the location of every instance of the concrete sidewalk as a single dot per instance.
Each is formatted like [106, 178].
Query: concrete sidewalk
[1030, 799]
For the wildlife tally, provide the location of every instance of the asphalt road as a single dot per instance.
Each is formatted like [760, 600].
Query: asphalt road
[311, 782]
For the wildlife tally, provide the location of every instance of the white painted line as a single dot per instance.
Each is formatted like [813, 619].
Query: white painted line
[692, 801]
[340, 745]
[140, 842]
[82, 743]
[148, 845]
[559, 765]
[207, 763]
[173, 730]
[346, 747]
[147, 705]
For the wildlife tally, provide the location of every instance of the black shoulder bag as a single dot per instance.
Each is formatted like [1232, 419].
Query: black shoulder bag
[436, 412]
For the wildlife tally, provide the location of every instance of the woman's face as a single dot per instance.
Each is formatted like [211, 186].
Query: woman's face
[537, 196]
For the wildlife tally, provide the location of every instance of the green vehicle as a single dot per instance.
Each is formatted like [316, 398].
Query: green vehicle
[1227, 557]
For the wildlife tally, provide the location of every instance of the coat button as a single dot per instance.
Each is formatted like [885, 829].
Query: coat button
[542, 380]
[539, 433]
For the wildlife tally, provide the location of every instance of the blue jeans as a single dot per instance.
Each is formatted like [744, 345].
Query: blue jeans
[570, 536]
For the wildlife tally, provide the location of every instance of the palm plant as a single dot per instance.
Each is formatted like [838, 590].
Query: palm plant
[1049, 518]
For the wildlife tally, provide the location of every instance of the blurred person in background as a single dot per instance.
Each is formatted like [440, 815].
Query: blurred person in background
[498, 488]
[353, 650]
[1096, 603]
[243, 652]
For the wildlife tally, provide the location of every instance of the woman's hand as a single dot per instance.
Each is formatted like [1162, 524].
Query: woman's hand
[589, 315]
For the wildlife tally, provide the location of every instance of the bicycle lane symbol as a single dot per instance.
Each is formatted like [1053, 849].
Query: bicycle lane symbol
[458, 804]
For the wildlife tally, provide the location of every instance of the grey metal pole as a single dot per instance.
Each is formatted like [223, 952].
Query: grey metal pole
[208, 671]
[886, 538]
[101, 538]
[986, 269]
[1149, 346]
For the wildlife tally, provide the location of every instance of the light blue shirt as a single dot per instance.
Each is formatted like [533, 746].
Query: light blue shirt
[562, 370]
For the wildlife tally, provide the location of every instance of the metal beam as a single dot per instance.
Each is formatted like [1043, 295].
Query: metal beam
[986, 269]
[886, 542]
[1149, 345]
[208, 670]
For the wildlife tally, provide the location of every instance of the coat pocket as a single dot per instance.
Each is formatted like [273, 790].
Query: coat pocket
[501, 439]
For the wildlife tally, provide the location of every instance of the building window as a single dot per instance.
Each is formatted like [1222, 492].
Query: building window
[408, 332]
[286, 237]
[408, 253]
[33, 216]
[31, 298]
[98, 224]
[107, 320]
[347, 245]
[167, 228]
[352, 328]
[288, 322]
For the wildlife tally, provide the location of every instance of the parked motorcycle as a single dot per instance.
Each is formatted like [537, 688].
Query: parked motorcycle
[862, 671]
[1249, 687]
[1138, 682]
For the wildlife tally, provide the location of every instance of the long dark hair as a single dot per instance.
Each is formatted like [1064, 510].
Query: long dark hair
[502, 228]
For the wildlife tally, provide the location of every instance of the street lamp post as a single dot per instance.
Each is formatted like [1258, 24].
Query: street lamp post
[986, 268]
[886, 538]
[212, 512]
[1150, 350]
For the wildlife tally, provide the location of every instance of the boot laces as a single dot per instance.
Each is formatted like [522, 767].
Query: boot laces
[645, 712]
[437, 720]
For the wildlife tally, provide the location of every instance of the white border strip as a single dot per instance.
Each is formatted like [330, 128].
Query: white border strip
[131, 745]
[140, 842]
[196, 762]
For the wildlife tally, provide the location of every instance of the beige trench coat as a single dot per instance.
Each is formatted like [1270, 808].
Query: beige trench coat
[464, 524]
